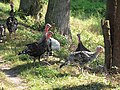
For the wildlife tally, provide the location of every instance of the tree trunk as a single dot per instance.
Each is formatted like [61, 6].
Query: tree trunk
[31, 7]
[116, 48]
[58, 14]
[113, 14]
[107, 41]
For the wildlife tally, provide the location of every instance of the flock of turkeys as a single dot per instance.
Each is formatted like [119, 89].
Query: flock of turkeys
[81, 55]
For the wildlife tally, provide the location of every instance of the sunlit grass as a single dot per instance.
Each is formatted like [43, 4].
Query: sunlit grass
[5, 84]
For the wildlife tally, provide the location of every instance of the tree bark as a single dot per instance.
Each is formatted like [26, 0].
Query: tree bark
[110, 15]
[31, 7]
[58, 14]
[107, 41]
[113, 15]
[116, 48]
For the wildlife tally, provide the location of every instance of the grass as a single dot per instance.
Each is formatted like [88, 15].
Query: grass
[5, 84]
[51, 77]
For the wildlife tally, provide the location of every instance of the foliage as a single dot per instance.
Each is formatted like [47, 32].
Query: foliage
[60, 38]
[87, 8]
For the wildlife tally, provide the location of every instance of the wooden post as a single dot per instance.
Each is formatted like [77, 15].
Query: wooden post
[107, 41]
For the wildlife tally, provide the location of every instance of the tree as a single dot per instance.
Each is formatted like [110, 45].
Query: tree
[113, 10]
[31, 7]
[58, 14]
[116, 37]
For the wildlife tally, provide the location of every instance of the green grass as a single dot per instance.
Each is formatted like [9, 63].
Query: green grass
[51, 77]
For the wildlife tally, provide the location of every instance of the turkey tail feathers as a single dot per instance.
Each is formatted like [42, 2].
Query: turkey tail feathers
[23, 52]
[62, 65]
[65, 63]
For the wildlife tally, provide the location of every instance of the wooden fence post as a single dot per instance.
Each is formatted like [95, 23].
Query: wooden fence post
[107, 42]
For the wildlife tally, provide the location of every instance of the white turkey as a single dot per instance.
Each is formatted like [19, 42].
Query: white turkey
[52, 42]
[55, 45]
[82, 57]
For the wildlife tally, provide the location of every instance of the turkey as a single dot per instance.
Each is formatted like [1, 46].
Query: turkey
[2, 32]
[36, 49]
[83, 57]
[55, 45]
[47, 27]
[80, 46]
[12, 9]
[11, 21]
[52, 43]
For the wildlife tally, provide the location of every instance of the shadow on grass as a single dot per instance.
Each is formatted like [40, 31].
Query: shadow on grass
[91, 86]
[40, 69]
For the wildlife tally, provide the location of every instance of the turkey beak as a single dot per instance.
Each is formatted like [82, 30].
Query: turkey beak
[49, 34]
[103, 50]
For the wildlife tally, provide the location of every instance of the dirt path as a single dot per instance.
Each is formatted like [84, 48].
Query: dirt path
[11, 75]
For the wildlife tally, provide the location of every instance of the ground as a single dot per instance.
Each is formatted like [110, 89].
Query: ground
[16, 81]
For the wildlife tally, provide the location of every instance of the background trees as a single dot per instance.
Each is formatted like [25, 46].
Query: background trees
[31, 7]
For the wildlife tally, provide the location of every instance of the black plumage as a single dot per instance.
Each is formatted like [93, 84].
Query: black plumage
[2, 32]
[12, 9]
[36, 49]
[80, 46]
[12, 24]
[11, 21]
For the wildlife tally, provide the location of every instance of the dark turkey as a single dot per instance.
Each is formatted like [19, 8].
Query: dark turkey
[12, 9]
[82, 57]
[80, 46]
[11, 21]
[2, 32]
[36, 49]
